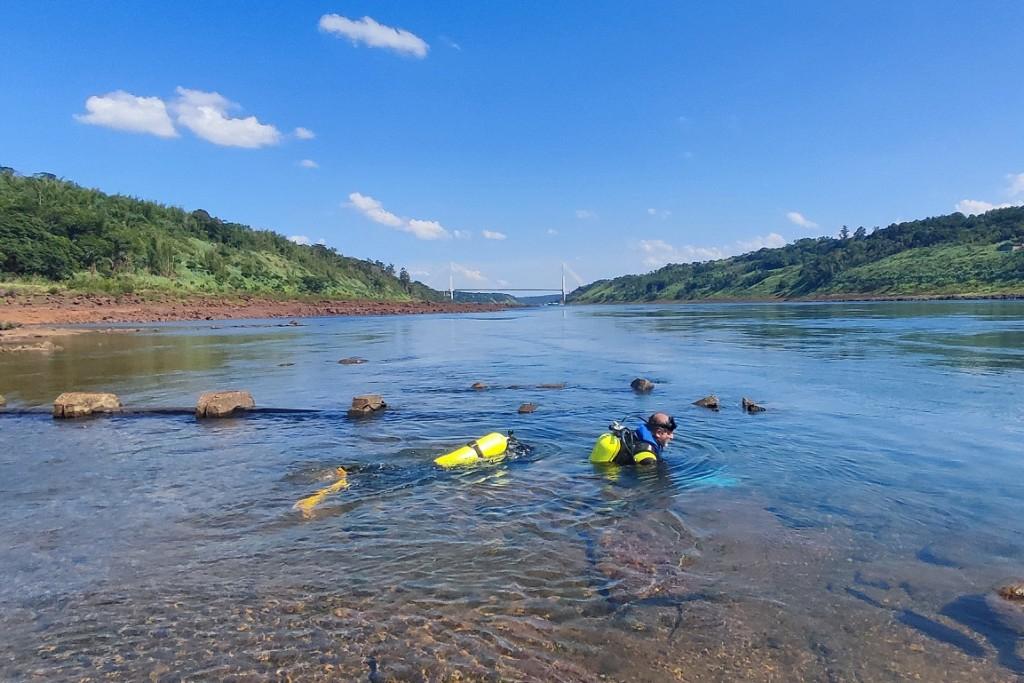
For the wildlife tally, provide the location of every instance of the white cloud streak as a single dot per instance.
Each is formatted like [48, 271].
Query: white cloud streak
[585, 214]
[797, 218]
[469, 273]
[657, 253]
[552, 231]
[123, 111]
[493, 235]
[303, 133]
[299, 239]
[375, 211]
[1016, 181]
[462, 234]
[370, 33]
[206, 115]
[308, 163]
[970, 207]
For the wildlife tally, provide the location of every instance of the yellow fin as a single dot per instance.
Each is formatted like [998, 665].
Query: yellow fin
[306, 505]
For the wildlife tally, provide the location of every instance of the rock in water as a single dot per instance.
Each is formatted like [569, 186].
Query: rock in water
[527, 408]
[81, 403]
[750, 406]
[1012, 591]
[708, 402]
[3, 401]
[478, 386]
[560, 385]
[641, 385]
[354, 360]
[223, 403]
[366, 404]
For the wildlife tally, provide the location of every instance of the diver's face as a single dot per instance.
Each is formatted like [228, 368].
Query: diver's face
[663, 436]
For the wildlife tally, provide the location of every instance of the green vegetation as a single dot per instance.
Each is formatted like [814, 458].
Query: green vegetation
[947, 255]
[55, 233]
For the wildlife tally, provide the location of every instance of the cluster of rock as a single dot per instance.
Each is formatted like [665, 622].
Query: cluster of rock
[642, 385]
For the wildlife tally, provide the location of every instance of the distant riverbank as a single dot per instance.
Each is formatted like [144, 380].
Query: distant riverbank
[62, 309]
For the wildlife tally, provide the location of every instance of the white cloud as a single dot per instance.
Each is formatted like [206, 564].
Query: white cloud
[552, 231]
[451, 43]
[659, 252]
[426, 230]
[493, 235]
[303, 133]
[374, 210]
[469, 273]
[503, 283]
[659, 213]
[322, 242]
[308, 163]
[206, 115]
[969, 207]
[123, 111]
[797, 218]
[585, 214]
[369, 32]
[462, 234]
[419, 273]
[299, 239]
[1016, 181]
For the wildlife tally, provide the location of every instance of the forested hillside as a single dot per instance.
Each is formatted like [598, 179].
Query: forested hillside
[947, 255]
[53, 230]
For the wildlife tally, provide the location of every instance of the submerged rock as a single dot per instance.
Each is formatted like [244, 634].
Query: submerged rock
[527, 408]
[354, 360]
[366, 404]
[223, 403]
[1012, 591]
[478, 386]
[708, 402]
[560, 385]
[642, 386]
[750, 406]
[81, 403]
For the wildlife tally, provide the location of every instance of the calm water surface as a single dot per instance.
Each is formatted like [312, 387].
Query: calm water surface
[852, 532]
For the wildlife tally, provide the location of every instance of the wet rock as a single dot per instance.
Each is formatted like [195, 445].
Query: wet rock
[366, 404]
[551, 386]
[46, 346]
[478, 386]
[751, 407]
[642, 386]
[708, 402]
[1012, 591]
[81, 403]
[223, 403]
[354, 360]
[285, 365]
[3, 401]
[527, 408]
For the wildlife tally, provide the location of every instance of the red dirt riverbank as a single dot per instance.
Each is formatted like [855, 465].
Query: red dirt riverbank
[57, 309]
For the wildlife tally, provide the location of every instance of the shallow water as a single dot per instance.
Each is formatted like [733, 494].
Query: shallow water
[852, 531]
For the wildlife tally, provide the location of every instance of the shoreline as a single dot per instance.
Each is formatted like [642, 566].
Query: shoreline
[37, 320]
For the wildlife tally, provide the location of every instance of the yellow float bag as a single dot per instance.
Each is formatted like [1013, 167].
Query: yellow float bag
[485, 448]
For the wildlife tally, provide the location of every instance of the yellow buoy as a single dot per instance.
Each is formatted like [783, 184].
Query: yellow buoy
[306, 505]
[486, 448]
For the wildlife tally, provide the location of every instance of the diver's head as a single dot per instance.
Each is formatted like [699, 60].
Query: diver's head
[663, 428]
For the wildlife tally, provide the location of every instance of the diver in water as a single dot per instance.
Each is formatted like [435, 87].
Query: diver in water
[624, 446]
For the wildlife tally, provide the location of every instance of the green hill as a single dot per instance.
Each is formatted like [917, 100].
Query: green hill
[54, 231]
[946, 255]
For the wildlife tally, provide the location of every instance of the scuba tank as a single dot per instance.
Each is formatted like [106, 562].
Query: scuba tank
[620, 446]
[487, 447]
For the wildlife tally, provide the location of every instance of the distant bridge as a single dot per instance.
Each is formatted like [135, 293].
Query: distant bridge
[452, 289]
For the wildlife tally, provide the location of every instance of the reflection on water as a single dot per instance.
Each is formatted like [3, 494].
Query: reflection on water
[851, 532]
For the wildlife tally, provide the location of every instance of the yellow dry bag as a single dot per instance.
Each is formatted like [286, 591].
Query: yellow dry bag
[486, 448]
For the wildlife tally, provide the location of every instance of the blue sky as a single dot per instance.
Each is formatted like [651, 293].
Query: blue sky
[510, 137]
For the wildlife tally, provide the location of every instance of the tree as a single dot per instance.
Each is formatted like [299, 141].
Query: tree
[844, 233]
[860, 233]
[403, 277]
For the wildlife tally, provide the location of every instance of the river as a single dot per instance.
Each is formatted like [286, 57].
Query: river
[852, 531]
